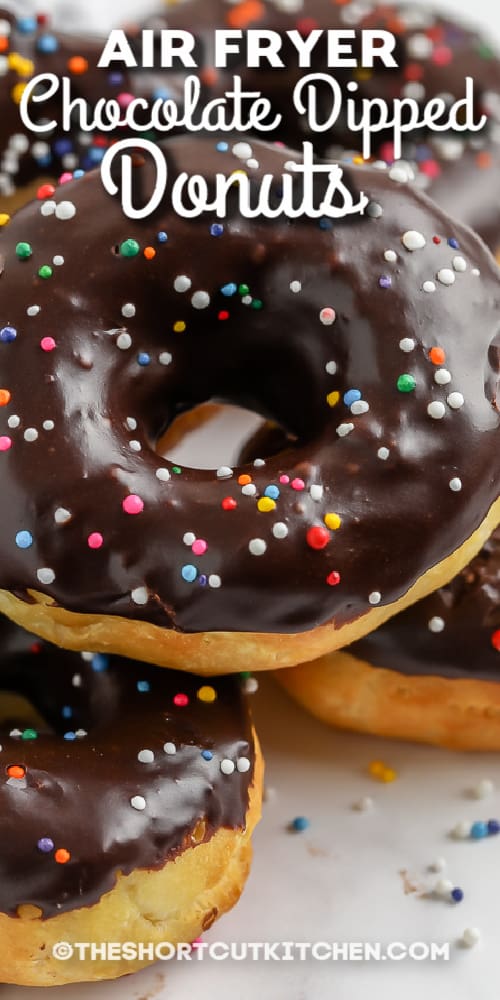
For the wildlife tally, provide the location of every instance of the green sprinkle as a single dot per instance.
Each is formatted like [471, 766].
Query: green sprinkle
[244, 290]
[24, 250]
[406, 383]
[129, 248]
[257, 304]
[29, 734]
[485, 51]
[245, 674]
[176, 469]
[45, 271]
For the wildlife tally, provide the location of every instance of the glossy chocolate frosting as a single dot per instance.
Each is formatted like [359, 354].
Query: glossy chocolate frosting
[83, 770]
[453, 633]
[98, 356]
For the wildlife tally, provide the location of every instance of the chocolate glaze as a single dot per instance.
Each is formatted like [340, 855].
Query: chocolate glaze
[399, 515]
[469, 613]
[77, 790]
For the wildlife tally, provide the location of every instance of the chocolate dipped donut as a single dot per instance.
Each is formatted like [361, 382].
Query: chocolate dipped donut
[375, 344]
[127, 805]
[431, 674]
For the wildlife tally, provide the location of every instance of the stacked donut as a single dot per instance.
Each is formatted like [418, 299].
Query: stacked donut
[374, 345]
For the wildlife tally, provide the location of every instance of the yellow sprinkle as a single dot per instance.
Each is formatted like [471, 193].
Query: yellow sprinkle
[4, 218]
[206, 693]
[363, 74]
[389, 775]
[377, 768]
[14, 59]
[17, 92]
[333, 521]
[333, 398]
[265, 505]
[179, 327]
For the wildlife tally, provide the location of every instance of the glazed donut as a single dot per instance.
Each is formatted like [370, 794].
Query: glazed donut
[430, 674]
[127, 806]
[375, 345]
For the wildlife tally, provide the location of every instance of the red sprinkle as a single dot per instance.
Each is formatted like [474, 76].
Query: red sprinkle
[229, 503]
[333, 579]
[318, 538]
[495, 640]
[436, 240]
[181, 700]
[223, 315]
[45, 191]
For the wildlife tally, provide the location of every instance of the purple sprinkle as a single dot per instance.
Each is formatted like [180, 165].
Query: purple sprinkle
[385, 281]
[45, 845]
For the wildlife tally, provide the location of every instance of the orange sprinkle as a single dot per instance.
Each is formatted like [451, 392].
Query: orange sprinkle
[5, 397]
[78, 65]
[16, 771]
[209, 76]
[484, 160]
[149, 253]
[437, 355]
[244, 13]
[4, 44]
[62, 856]
[244, 480]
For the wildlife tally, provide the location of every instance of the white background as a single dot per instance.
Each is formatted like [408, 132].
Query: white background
[341, 880]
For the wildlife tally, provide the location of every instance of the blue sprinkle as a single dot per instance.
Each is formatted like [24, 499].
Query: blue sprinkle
[300, 823]
[207, 754]
[143, 359]
[202, 580]
[100, 663]
[272, 492]
[67, 712]
[229, 290]
[45, 845]
[457, 895]
[77, 174]
[24, 539]
[162, 237]
[216, 229]
[96, 154]
[189, 573]
[478, 830]
[43, 161]
[162, 94]
[47, 43]
[115, 79]
[326, 224]
[222, 147]
[63, 146]
[493, 826]
[454, 244]
[143, 686]
[7, 334]
[353, 396]
[70, 736]
[26, 25]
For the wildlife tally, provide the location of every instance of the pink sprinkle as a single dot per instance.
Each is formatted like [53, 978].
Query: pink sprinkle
[181, 700]
[64, 178]
[47, 344]
[284, 480]
[442, 55]
[328, 316]
[125, 99]
[95, 540]
[5, 443]
[199, 547]
[196, 943]
[430, 168]
[298, 484]
[133, 504]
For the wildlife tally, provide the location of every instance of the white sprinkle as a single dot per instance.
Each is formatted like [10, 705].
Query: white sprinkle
[48, 208]
[253, 164]
[443, 887]
[200, 300]
[243, 765]
[165, 358]
[476, 272]
[226, 766]
[280, 530]
[316, 492]
[250, 490]
[58, 261]
[15, 732]
[247, 300]
[455, 485]
[344, 429]
[360, 407]
[331, 367]
[14, 421]
[65, 210]
[390, 256]
[438, 865]
[442, 377]
[445, 276]
[436, 410]
[436, 624]
[259, 463]
[76, 680]
[138, 802]
[459, 264]
[124, 341]
[145, 756]
[170, 749]
[269, 793]
[374, 210]
[163, 475]
[375, 597]
[383, 454]
[182, 283]
[257, 546]
[419, 46]
[87, 657]
[33, 310]
[250, 685]
[214, 581]
[46, 575]
[328, 316]
[189, 538]
[364, 804]
[131, 423]
[461, 830]
[242, 150]
[295, 287]
[48, 425]
[140, 595]
[128, 310]
[455, 400]
[429, 286]
[400, 173]
[471, 936]
[407, 344]
[135, 445]
[224, 472]
[483, 788]
[80, 733]
[61, 515]
[30, 434]
[413, 240]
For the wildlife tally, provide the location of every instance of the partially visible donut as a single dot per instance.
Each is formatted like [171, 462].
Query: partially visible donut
[376, 344]
[126, 810]
[431, 674]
